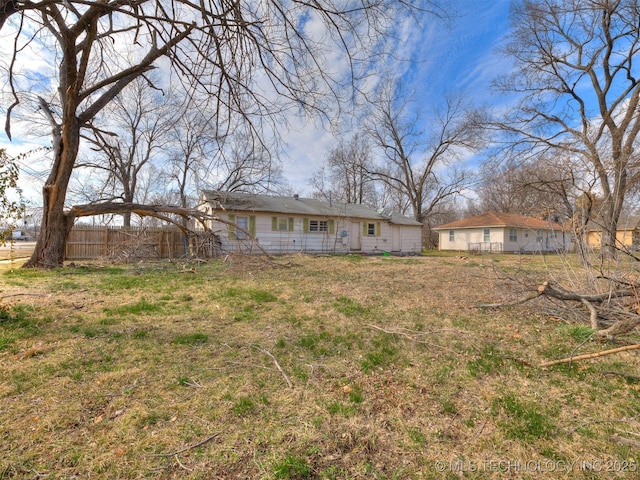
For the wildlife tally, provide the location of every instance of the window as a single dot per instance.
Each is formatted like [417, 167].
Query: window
[242, 222]
[452, 235]
[282, 224]
[247, 223]
[513, 235]
[318, 226]
[321, 226]
[487, 235]
[539, 236]
[370, 229]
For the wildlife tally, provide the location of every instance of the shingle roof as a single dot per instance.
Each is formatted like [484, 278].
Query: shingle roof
[247, 202]
[498, 219]
[625, 222]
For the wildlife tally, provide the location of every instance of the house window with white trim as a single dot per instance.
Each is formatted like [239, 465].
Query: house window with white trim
[318, 226]
[539, 237]
[513, 235]
[452, 235]
[487, 235]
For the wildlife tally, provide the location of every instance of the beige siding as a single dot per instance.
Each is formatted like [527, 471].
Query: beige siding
[623, 238]
[337, 238]
[526, 240]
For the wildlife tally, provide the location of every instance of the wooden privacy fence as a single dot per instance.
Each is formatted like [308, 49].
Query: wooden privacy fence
[131, 244]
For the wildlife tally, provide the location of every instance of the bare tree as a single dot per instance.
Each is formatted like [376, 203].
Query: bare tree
[344, 175]
[192, 148]
[137, 125]
[580, 91]
[244, 164]
[545, 188]
[421, 165]
[247, 57]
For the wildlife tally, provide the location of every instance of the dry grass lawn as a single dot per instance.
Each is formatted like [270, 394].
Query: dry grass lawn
[311, 367]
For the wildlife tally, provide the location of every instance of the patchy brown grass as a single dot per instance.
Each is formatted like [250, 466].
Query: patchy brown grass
[161, 371]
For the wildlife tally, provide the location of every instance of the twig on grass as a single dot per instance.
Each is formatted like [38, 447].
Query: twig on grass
[414, 335]
[190, 447]
[625, 375]
[595, 422]
[479, 432]
[590, 355]
[24, 295]
[275, 362]
[625, 441]
[181, 465]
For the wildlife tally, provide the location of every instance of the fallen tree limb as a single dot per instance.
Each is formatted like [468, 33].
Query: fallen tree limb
[590, 355]
[593, 314]
[510, 304]
[552, 289]
[625, 441]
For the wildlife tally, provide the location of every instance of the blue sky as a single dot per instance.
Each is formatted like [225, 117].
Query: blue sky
[458, 55]
[446, 56]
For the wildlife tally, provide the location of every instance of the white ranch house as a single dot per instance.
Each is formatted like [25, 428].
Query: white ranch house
[502, 232]
[294, 224]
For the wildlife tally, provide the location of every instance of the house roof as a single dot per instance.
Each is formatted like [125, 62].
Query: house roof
[499, 219]
[625, 222]
[247, 202]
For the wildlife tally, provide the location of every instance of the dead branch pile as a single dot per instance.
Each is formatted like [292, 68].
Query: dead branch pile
[610, 314]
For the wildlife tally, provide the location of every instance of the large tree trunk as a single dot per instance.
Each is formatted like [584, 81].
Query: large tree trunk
[612, 207]
[51, 244]
[50, 247]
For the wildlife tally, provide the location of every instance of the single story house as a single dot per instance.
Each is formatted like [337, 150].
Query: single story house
[627, 234]
[293, 224]
[502, 232]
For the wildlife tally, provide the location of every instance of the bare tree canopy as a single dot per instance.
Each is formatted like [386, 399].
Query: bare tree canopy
[421, 166]
[136, 131]
[576, 71]
[256, 59]
[344, 175]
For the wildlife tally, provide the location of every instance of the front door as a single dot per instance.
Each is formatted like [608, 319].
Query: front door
[396, 242]
[354, 234]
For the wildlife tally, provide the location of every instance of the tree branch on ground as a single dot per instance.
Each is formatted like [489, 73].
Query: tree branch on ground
[590, 355]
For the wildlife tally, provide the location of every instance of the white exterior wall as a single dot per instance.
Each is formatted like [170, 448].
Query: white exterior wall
[526, 239]
[339, 241]
[462, 238]
[410, 238]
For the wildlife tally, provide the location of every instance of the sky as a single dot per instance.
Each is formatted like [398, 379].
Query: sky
[446, 56]
[458, 55]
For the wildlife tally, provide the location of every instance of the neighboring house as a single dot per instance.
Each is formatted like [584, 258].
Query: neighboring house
[294, 224]
[627, 234]
[502, 232]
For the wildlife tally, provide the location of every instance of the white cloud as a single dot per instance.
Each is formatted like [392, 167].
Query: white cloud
[441, 59]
